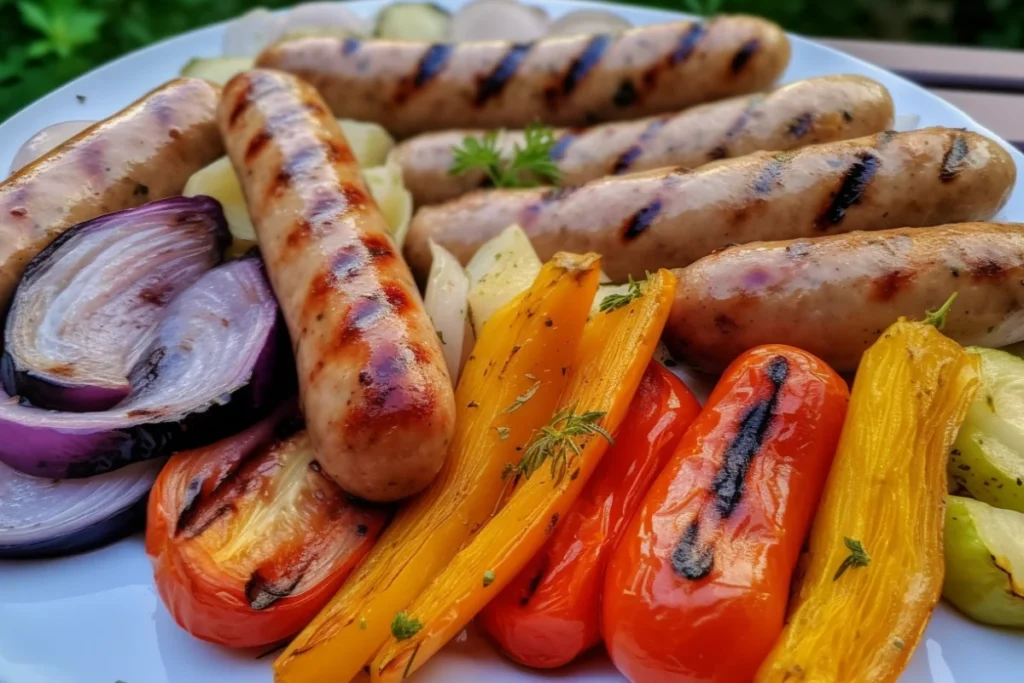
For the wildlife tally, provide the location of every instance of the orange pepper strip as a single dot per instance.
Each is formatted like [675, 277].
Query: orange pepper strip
[551, 612]
[522, 359]
[697, 589]
[615, 350]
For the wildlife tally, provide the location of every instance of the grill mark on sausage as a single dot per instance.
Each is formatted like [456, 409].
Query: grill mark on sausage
[687, 43]
[744, 55]
[638, 223]
[685, 46]
[561, 146]
[884, 138]
[433, 62]
[721, 151]
[691, 558]
[397, 297]
[350, 45]
[955, 158]
[987, 269]
[769, 177]
[890, 284]
[855, 182]
[578, 69]
[339, 153]
[389, 398]
[801, 125]
[491, 85]
[625, 95]
[242, 101]
[257, 144]
[261, 593]
[347, 262]
[633, 152]
[379, 248]
[420, 352]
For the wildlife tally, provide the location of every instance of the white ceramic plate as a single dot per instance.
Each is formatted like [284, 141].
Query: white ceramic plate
[95, 618]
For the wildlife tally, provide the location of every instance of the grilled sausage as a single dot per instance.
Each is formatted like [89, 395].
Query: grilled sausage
[834, 296]
[807, 112]
[375, 391]
[410, 87]
[671, 217]
[146, 151]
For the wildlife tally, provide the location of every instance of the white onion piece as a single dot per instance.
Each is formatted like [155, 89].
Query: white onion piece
[323, 18]
[246, 35]
[905, 122]
[588, 22]
[446, 301]
[45, 140]
[498, 20]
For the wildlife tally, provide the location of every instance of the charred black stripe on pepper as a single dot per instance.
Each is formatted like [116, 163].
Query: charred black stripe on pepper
[491, 85]
[729, 481]
[955, 158]
[690, 558]
[744, 55]
[260, 594]
[851, 190]
[641, 220]
[633, 152]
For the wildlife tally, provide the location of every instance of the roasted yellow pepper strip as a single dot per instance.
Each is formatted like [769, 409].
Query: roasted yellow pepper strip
[875, 562]
[616, 347]
[510, 385]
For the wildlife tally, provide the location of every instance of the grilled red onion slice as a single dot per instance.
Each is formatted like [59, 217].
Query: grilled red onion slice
[87, 305]
[46, 517]
[210, 370]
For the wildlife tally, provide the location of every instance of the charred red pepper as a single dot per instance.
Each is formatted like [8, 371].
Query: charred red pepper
[697, 589]
[249, 538]
[550, 613]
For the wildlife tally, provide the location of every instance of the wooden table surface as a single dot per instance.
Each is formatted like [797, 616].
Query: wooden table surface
[987, 84]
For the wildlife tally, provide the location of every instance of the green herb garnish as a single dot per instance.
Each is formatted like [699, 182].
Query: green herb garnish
[488, 578]
[403, 627]
[503, 432]
[614, 302]
[938, 317]
[557, 442]
[521, 400]
[858, 557]
[530, 164]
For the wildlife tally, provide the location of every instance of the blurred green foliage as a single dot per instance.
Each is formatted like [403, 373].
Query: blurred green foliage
[47, 42]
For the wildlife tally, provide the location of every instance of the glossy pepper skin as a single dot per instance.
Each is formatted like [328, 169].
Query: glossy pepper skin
[550, 613]
[697, 589]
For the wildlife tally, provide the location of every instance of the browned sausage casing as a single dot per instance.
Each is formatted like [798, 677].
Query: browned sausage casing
[834, 296]
[807, 112]
[144, 152]
[669, 218]
[410, 87]
[375, 391]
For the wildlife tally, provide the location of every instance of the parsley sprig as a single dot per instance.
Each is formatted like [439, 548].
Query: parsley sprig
[557, 442]
[403, 627]
[530, 164]
[616, 301]
[858, 557]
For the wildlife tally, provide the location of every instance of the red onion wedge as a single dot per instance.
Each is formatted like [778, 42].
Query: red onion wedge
[86, 307]
[211, 368]
[48, 517]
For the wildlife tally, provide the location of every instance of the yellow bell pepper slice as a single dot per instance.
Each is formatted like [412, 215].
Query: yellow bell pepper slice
[511, 383]
[617, 346]
[875, 562]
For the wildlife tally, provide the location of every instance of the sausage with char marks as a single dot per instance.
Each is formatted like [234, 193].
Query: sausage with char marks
[411, 87]
[807, 112]
[835, 296]
[144, 152]
[375, 391]
[669, 218]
